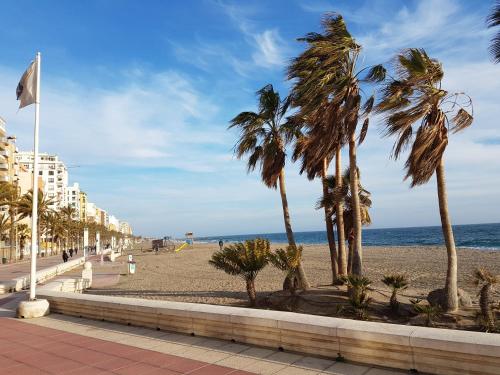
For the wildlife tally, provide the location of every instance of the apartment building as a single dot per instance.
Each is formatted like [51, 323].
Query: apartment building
[83, 206]
[125, 228]
[4, 153]
[114, 223]
[53, 173]
[104, 218]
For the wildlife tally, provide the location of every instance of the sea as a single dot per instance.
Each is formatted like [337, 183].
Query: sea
[479, 236]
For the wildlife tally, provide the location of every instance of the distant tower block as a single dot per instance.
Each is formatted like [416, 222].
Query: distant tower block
[189, 238]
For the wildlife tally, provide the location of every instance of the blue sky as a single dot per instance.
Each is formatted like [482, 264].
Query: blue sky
[139, 94]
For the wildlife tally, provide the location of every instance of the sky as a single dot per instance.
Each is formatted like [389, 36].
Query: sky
[137, 96]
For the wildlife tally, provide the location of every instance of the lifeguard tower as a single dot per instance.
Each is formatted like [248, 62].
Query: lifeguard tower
[189, 238]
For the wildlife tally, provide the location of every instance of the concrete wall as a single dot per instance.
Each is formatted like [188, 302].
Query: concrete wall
[45, 274]
[428, 350]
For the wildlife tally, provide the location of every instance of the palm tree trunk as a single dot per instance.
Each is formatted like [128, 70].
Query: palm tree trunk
[329, 224]
[251, 292]
[451, 287]
[342, 256]
[351, 255]
[304, 284]
[12, 239]
[357, 262]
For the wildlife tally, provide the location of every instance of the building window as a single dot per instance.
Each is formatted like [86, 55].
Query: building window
[51, 180]
[40, 173]
[51, 173]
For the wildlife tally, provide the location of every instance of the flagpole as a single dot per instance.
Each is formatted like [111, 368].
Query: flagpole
[34, 212]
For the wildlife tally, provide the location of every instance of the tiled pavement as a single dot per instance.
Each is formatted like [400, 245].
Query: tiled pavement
[59, 344]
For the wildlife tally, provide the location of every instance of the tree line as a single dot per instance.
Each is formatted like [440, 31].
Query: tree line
[60, 228]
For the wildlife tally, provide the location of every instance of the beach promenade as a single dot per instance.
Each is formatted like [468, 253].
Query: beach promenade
[12, 270]
[59, 344]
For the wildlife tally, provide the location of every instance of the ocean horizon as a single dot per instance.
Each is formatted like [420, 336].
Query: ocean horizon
[479, 236]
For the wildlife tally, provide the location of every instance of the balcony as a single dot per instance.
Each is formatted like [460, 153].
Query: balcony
[4, 153]
[4, 166]
[4, 178]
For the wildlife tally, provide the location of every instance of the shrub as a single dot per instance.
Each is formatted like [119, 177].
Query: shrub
[245, 260]
[396, 282]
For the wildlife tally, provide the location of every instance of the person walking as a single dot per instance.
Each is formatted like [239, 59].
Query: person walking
[71, 253]
[65, 256]
[221, 244]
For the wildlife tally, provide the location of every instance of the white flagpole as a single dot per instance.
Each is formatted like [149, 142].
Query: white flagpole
[34, 212]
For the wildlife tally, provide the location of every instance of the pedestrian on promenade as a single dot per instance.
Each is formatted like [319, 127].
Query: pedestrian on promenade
[221, 244]
[76, 251]
[65, 256]
[71, 253]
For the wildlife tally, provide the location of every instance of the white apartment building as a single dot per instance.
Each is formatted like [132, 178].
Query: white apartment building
[91, 212]
[53, 173]
[113, 223]
[72, 198]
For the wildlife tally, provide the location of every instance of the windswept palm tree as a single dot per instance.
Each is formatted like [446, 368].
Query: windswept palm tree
[420, 113]
[264, 136]
[306, 149]
[328, 88]
[344, 195]
[493, 20]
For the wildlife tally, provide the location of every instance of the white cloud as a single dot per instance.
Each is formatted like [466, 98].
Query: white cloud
[155, 119]
[270, 49]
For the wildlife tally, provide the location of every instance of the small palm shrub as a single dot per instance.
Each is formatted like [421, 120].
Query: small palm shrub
[288, 261]
[396, 282]
[358, 294]
[484, 279]
[431, 312]
[245, 260]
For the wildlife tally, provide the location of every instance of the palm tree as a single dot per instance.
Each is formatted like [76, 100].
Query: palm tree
[243, 259]
[264, 136]
[288, 261]
[327, 76]
[304, 147]
[4, 225]
[415, 99]
[25, 207]
[487, 281]
[396, 282]
[9, 196]
[343, 195]
[23, 232]
[493, 20]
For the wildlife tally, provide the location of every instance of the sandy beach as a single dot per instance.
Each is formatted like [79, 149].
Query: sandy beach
[187, 276]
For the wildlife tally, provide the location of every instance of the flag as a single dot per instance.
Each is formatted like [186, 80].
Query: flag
[26, 89]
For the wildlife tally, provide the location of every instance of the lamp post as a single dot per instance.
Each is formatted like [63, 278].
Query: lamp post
[85, 241]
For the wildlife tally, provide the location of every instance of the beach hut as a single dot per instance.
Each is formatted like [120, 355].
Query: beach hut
[189, 238]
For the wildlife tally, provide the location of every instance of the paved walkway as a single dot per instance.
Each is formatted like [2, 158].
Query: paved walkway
[105, 274]
[13, 270]
[59, 344]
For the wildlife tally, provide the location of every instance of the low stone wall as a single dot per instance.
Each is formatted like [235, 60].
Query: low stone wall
[42, 275]
[69, 285]
[428, 350]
